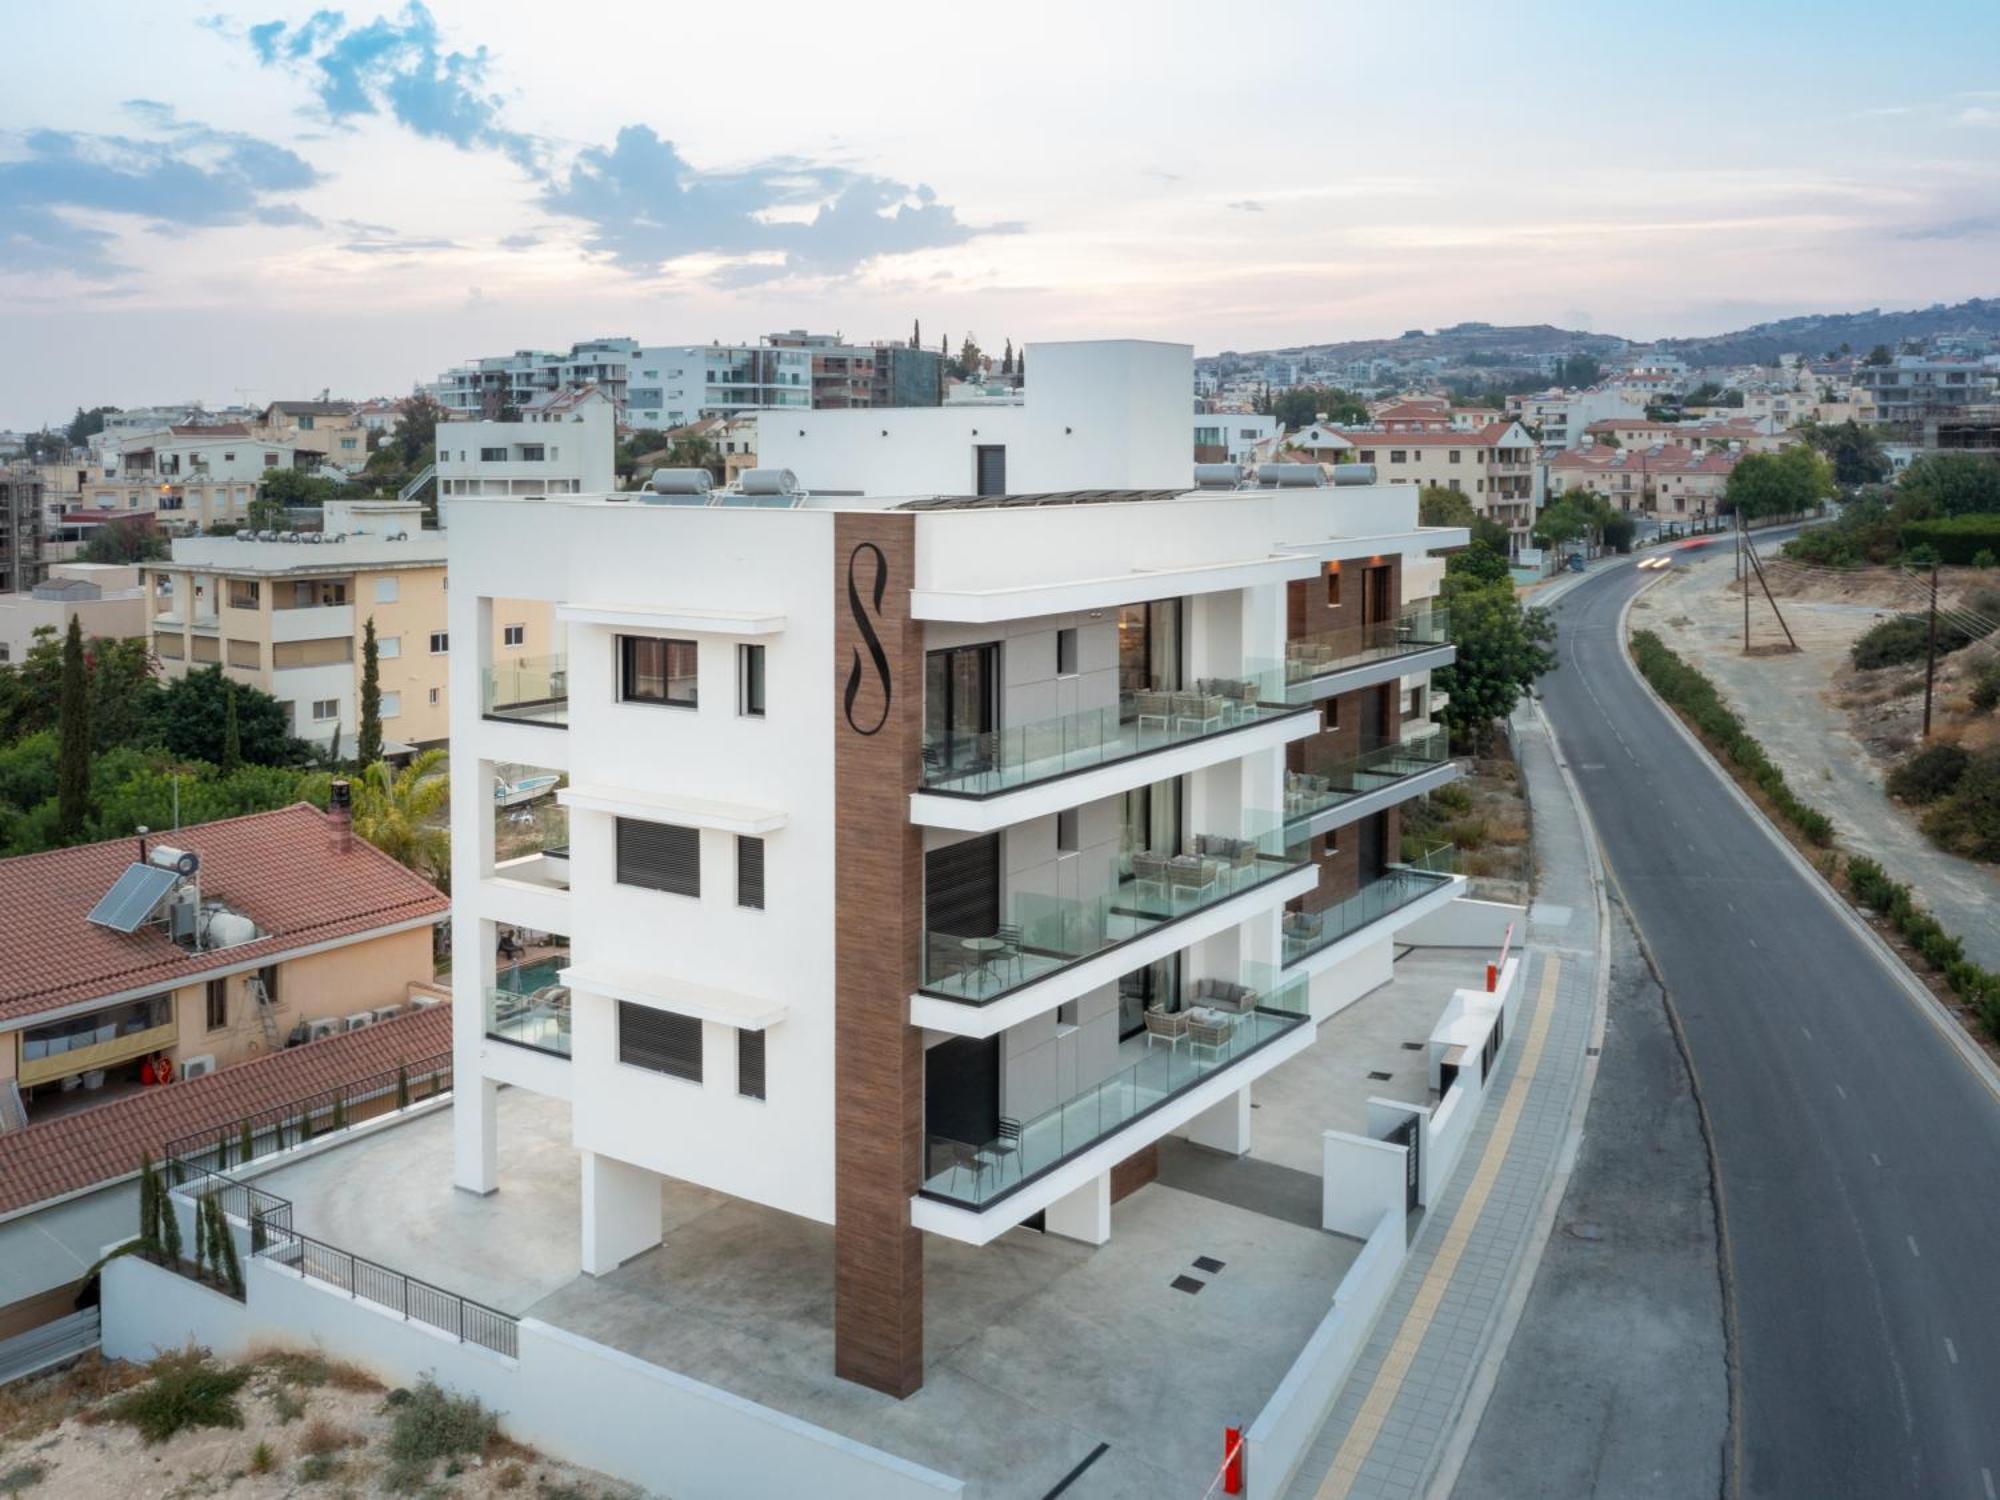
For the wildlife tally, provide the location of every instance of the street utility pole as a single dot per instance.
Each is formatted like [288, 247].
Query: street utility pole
[1930, 654]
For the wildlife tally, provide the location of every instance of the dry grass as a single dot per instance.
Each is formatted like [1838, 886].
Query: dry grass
[31, 1407]
[311, 1370]
[322, 1437]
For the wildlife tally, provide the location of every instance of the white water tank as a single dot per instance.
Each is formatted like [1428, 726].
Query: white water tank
[227, 928]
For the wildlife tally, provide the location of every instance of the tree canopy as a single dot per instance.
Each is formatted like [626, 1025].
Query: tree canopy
[85, 425]
[1581, 370]
[1439, 505]
[1303, 405]
[1778, 484]
[129, 539]
[1948, 484]
[1502, 647]
[190, 719]
[1854, 451]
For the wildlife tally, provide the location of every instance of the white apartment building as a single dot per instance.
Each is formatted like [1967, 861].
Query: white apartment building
[649, 385]
[939, 836]
[564, 444]
[105, 597]
[1234, 437]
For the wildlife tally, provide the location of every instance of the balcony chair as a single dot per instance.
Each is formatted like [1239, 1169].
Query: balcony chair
[1007, 1144]
[1149, 873]
[1215, 1038]
[1170, 1027]
[1158, 707]
[1011, 954]
[1203, 711]
[1191, 876]
[967, 1158]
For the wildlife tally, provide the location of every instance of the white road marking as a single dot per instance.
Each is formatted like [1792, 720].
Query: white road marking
[1872, 1156]
[1951, 1349]
[1840, 1091]
[1987, 1476]
[1753, 942]
[1913, 1245]
[1808, 1031]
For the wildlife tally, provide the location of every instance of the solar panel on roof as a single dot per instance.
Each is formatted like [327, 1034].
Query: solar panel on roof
[127, 905]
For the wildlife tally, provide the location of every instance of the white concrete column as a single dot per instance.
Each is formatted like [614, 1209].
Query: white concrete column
[1084, 1214]
[621, 1212]
[475, 1130]
[1224, 1126]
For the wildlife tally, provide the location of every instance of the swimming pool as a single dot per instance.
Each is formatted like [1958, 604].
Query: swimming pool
[525, 979]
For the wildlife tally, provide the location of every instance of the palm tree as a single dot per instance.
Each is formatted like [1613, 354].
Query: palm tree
[399, 813]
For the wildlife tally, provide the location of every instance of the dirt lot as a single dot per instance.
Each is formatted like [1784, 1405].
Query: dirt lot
[308, 1426]
[1834, 730]
[1484, 817]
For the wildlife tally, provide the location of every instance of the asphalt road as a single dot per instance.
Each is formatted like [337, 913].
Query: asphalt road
[1857, 1151]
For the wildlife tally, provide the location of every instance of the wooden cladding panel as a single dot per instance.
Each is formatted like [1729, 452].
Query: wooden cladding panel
[878, 668]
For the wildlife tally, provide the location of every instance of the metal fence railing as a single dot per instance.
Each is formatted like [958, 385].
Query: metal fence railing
[417, 1301]
[283, 1126]
[195, 1167]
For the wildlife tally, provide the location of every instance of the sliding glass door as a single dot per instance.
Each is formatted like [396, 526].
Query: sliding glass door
[961, 705]
[1149, 646]
[1149, 823]
[1156, 984]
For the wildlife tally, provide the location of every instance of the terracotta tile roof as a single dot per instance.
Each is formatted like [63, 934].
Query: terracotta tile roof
[278, 868]
[76, 1151]
[1486, 437]
[1659, 459]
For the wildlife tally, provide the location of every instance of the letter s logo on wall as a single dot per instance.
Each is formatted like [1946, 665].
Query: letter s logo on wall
[866, 626]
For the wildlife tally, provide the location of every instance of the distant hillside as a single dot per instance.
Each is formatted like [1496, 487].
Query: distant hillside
[1486, 344]
[1818, 333]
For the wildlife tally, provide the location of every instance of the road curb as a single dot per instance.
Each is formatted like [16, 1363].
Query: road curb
[1486, 1374]
[1970, 1052]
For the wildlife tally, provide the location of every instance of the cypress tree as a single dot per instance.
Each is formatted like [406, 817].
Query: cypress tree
[232, 737]
[230, 1265]
[340, 1111]
[368, 747]
[402, 1086]
[149, 1204]
[170, 1231]
[246, 1145]
[916, 333]
[201, 1234]
[73, 757]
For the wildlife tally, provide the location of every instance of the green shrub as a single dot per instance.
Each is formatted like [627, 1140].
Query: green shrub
[430, 1424]
[1955, 539]
[1984, 558]
[187, 1389]
[1966, 821]
[1929, 773]
[22, 1477]
[1986, 690]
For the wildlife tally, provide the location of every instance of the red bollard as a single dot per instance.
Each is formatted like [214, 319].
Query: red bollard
[1492, 978]
[1232, 1463]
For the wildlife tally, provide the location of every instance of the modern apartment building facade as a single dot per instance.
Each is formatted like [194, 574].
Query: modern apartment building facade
[848, 375]
[564, 444]
[22, 529]
[649, 385]
[930, 855]
[1912, 389]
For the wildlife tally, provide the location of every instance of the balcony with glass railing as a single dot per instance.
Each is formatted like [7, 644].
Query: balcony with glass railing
[1211, 1027]
[1308, 794]
[1140, 723]
[527, 1008]
[1312, 661]
[1147, 890]
[527, 690]
[1308, 932]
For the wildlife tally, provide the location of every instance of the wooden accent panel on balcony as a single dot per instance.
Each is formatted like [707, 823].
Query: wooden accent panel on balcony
[878, 667]
[1133, 1173]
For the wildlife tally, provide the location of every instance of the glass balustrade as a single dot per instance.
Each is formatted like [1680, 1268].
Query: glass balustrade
[982, 764]
[530, 828]
[527, 690]
[1308, 794]
[1217, 1023]
[1320, 654]
[527, 1012]
[1307, 932]
[1141, 892]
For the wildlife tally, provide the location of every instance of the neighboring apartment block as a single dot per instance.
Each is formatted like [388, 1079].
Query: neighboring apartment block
[1669, 479]
[138, 961]
[663, 386]
[880, 374]
[564, 444]
[936, 847]
[105, 598]
[187, 478]
[23, 527]
[1493, 466]
[286, 614]
[1913, 389]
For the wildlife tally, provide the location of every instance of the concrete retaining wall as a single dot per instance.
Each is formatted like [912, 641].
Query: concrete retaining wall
[571, 1398]
[1283, 1431]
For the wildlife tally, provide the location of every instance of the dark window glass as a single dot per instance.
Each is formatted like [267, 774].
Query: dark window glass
[651, 670]
[659, 856]
[749, 871]
[750, 669]
[218, 1004]
[660, 1040]
[750, 1064]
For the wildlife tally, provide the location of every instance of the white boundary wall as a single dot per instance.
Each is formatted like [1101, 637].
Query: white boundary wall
[1465, 923]
[1363, 1187]
[571, 1398]
[1283, 1431]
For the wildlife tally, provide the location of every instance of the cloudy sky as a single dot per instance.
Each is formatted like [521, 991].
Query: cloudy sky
[256, 203]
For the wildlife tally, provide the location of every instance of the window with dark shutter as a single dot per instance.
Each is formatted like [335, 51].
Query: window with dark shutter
[750, 1064]
[659, 856]
[749, 871]
[660, 1040]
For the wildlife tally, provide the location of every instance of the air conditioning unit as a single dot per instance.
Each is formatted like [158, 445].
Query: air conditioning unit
[360, 1019]
[324, 1026]
[195, 1067]
[422, 1002]
[387, 1012]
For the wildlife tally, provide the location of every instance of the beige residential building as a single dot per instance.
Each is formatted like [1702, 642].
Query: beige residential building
[104, 597]
[332, 429]
[289, 618]
[1668, 480]
[1494, 466]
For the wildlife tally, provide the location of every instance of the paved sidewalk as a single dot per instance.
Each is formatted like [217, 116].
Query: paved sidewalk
[1389, 1428]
